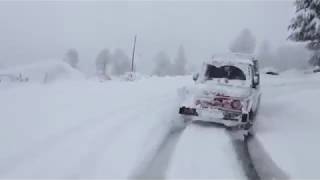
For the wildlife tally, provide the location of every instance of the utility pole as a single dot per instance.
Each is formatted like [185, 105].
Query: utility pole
[133, 52]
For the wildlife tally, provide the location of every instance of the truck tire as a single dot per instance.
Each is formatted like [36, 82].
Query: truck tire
[251, 124]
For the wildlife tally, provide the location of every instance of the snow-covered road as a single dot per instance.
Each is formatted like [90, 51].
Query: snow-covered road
[83, 129]
[204, 152]
[117, 129]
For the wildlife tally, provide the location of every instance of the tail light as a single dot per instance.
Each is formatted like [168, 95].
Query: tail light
[236, 104]
[197, 102]
[227, 103]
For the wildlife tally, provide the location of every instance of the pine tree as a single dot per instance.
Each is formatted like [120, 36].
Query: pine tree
[265, 54]
[315, 59]
[245, 42]
[72, 58]
[102, 60]
[179, 66]
[120, 62]
[305, 26]
[163, 65]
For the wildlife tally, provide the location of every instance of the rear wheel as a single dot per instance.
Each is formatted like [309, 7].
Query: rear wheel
[250, 123]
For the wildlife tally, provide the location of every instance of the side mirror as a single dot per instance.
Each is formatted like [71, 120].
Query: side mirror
[195, 77]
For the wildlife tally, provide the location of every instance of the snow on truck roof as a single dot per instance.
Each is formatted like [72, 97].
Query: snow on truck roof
[231, 58]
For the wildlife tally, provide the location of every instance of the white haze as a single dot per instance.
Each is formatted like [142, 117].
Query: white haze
[40, 30]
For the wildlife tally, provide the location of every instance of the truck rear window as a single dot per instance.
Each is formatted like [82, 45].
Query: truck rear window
[228, 72]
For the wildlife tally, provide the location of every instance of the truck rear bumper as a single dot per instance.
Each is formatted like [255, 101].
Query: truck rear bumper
[227, 118]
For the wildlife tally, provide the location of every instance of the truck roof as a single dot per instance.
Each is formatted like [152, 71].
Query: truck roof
[231, 58]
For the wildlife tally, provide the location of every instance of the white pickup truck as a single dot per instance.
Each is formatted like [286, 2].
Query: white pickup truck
[226, 91]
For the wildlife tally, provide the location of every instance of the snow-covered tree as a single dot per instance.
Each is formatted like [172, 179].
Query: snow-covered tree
[179, 66]
[72, 58]
[120, 62]
[163, 65]
[291, 56]
[245, 42]
[265, 55]
[305, 26]
[102, 60]
[315, 59]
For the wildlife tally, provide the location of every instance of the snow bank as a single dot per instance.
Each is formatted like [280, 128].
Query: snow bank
[293, 73]
[44, 72]
[129, 76]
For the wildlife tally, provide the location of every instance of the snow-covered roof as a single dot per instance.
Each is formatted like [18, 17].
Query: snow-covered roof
[231, 58]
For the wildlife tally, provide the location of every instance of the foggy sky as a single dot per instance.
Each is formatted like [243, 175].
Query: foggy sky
[40, 30]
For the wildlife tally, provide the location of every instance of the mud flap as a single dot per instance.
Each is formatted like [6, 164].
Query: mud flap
[245, 126]
[241, 131]
[188, 111]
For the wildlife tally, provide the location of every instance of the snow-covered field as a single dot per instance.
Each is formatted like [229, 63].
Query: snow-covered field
[289, 123]
[114, 129]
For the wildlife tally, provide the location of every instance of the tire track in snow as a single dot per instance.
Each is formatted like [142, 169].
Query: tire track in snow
[157, 166]
[255, 162]
[204, 151]
[242, 151]
[91, 161]
[263, 163]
